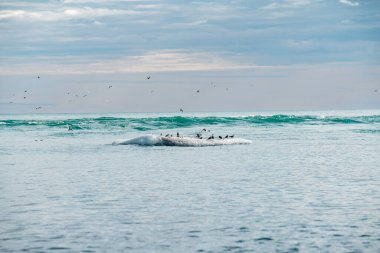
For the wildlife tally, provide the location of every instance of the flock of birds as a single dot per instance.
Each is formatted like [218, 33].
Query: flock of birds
[109, 87]
[148, 77]
[199, 135]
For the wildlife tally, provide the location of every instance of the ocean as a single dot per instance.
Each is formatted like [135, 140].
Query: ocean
[308, 182]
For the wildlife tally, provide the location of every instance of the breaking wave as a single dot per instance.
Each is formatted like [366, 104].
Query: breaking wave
[153, 140]
[146, 124]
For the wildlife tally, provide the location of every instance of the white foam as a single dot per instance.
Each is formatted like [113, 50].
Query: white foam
[153, 140]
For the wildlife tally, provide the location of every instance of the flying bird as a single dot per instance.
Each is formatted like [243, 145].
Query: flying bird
[148, 77]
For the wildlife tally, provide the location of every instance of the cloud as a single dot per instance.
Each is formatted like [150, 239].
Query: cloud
[64, 14]
[303, 44]
[287, 4]
[155, 61]
[99, 1]
[349, 2]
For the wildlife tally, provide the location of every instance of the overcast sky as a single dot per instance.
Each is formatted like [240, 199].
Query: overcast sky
[242, 55]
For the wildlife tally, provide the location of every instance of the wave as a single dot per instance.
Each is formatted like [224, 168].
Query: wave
[153, 140]
[153, 123]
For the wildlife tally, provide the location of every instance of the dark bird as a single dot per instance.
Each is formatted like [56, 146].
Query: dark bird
[199, 136]
[181, 110]
[109, 86]
[38, 77]
[226, 137]
[167, 135]
[24, 97]
[177, 134]
[204, 129]
[220, 137]
[25, 90]
[197, 91]
[37, 108]
[232, 136]
[69, 128]
[212, 136]
[209, 138]
[148, 77]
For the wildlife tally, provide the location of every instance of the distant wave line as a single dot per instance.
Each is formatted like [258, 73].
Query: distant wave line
[146, 124]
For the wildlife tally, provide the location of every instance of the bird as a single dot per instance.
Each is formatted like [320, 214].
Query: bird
[109, 86]
[11, 102]
[38, 77]
[148, 77]
[177, 134]
[181, 110]
[37, 108]
[167, 135]
[226, 137]
[197, 91]
[232, 136]
[204, 129]
[25, 91]
[24, 97]
[220, 137]
[84, 96]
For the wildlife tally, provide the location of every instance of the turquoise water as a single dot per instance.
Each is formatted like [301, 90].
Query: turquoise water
[309, 182]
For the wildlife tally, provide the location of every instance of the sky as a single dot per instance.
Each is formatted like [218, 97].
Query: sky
[228, 55]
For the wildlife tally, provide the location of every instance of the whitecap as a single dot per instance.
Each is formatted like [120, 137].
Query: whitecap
[153, 140]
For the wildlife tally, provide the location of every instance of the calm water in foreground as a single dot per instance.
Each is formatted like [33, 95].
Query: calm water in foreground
[309, 182]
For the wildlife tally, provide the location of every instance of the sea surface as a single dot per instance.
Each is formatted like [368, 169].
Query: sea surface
[308, 182]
